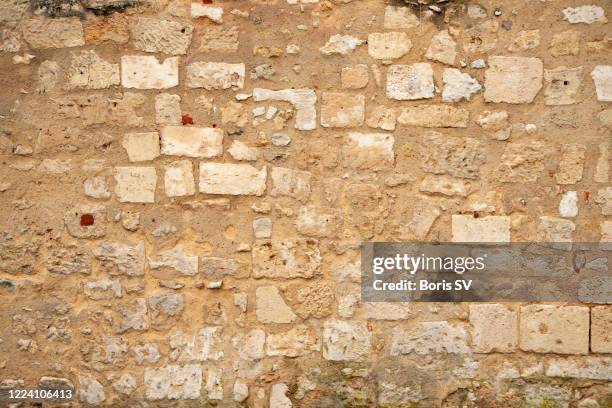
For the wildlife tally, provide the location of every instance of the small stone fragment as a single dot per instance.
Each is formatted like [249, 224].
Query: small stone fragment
[270, 306]
[458, 85]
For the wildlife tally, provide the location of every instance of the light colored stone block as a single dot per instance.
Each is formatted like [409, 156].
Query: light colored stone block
[232, 179]
[601, 329]
[152, 34]
[602, 77]
[178, 179]
[368, 151]
[429, 338]
[489, 229]
[433, 116]
[442, 48]
[399, 18]
[141, 146]
[554, 329]
[342, 109]
[410, 82]
[346, 341]
[191, 141]
[494, 328]
[390, 45]
[303, 100]
[135, 184]
[145, 72]
[173, 382]
[44, 33]
[215, 75]
[270, 307]
[513, 79]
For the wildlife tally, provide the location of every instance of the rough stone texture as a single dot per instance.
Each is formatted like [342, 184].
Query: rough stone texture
[601, 337]
[458, 157]
[135, 184]
[270, 306]
[173, 382]
[430, 338]
[442, 48]
[286, 259]
[458, 86]
[164, 36]
[292, 183]
[368, 150]
[42, 33]
[513, 79]
[562, 85]
[466, 228]
[433, 116]
[88, 70]
[410, 82]
[141, 146]
[602, 77]
[345, 341]
[494, 328]
[215, 75]
[146, 72]
[554, 329]
[387, 46]
[342, 110]
[191, 141]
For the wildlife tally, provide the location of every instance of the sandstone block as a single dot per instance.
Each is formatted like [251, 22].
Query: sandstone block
[588, 14]
[494, 328]
[458, 86]
[152, 34]
[356, 77]
[124, 259]
[522, 162]
[88, 70]
[342, 110]
[174, 261]
[430, 337]
[299, 341]
[168, 109]
[390, 45]
[368, 151]
[135, 184]
[145, 72]
[141, 146]
[191, 141]
[513, 79]
[291, 183]
[571, 164]
[340, 44]
[455, 156]
[442, 48]
[220, 39]
[43, 33]
[286, 259]
[410, 82]
[303, 100]
[399, 18]
[602, 77]
[205, 345]
[173, 382]
[554, 329]
[601, 336]
[232, 179]
[433, 116]
[587, 368]
[488, 229]
[319, 222]
[562, 85]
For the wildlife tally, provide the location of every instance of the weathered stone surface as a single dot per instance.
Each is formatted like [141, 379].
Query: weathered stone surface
[134, 316]
[442, 48]
[428, 338]
[43, 33]
[205, 344]
[458, 86]
[215, 266]
[102, 289]
[387, 311]
[165, 307]
[513, 79]
[601, 337]
[355, 77]
[458, 157]
[88, 70]
[342, 110]
[111, 29]
[278, 397]
[387, 46]
[174, 261]
[399, 18]
[135, 184]
[346, 341]
[340, 44]
[241, 152]
[525, 40]
[286, 259]
[152, 34]
[303, 100]
[424, 213]
[178, 179]
[433, 116]
[250, 345]
[602, 168]
[568, 206]
[368, 151]
[299, 341]
[319, 222]
[584, 14]
[291, 183]
[602, 77]
[68, 260]
[86, 221]
[553, 229]
[215, 75]
[410, 82]
[191, 141]
[571, 164]
[555, 329]
[167, 109]
[173, 382]
[262, 227]
[382, 117]
[466, 228]
[214, 14]
[562, 85]
[141, 146]
[125, 383]
[270, 306]
[145, 72]
[445, 185]
[590, 368]
[121, 259]
[96, 187]
[90, 390]
[604, 199]
[565, 43]
[482, 37]
[219, 39]
[494, 328]
[232, 179]
[521, 162]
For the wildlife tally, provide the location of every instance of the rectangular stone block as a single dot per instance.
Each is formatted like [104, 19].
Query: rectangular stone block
[291, 183]
[178, 179]
[373, 151]
[43, 33]
[145, 72]
[135, 184]
[191, 141]
[494, 328]
[215, 75]
[346, 341]
[433, 116]
[429, 338]
[342, 109]
[232, 179]
[466, 228]
[554, 329]
[601, 329]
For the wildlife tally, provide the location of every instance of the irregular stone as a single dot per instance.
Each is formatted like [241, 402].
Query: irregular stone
[173, 382]
[214, 14]
[466, 228]
[588, 368]
[433, 116]
[455, 156]
[442, 48]
[207, 344]
[494, 328]
[232, 179]
[87, 70]
[297, 342]
[315, 300]
[270, 306]
[262, 228]
[134, 316]
[346, 341]
[565, 43]
[165, 307]
[95, 187]
[521, 162]
[135, 184]
[251, 345]
[410, 82]
[355, 77]
[102, 289]
[121, 258]
[602, 168]
[44, 33]
[240, 391]
[68, 260]
[146, 353]
[424, 214]
[525, 40]
[562, 85]
[554, 329]
[584, 14]
[141, 146]
[458, 86]
[399, 18]
[151, 34]
[219, 39]
[342, 109]
[168, 109]
[556, 230]
[303, 100]
[90, 390]
[215, 75]
[125, 384]
[145, 72]
[214, 266]
[291, 183]
[107, 30]
[445, 185]
[286, 259]
[191, 141]
[372, 151]
[214, 384]
[428, 338]
[571, 164]
[178, 179]
[48, 76]
[568, 206]
[393, 395]
[382, 117]
[604, 199]
[602, 77]
[340, 44]
[173, 261]
[513, 79]
[319, 222]
[86, 221]
[390, 45]
[241, 152]
[601, 337]
[481, 38]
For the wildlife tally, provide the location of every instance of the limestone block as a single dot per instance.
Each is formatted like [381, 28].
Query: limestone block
[513, 79]
[389, 45]
[215, 75]
[191, 141]
[152, 34]
[173, 382]
[135, 184]
[554, 329]
[145, 72]
[494, 328]
[44, 33]
[342, 109]
[141, 146]
[271, 307]
[410, 82]
[368, 151]
[489, 229]
[232, 179]
[346, 341]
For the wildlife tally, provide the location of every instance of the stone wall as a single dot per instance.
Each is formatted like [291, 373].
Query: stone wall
[184, 188]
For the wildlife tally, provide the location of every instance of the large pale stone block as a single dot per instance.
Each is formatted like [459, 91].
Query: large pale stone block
[493, 228]
[88, 70]
[141, 146]
[587, 368]
[342, 109]
[399, 18]
[178, 179]
[271, 307]
[428, 338]
[494, 328]
[43, 33]
[286, 259]
[346, 341]
[368, 151]
[232, 179]
[554, 329]
[513, 79]
[442, 48]
[303, 100]
[145, 72]
[601, 329]
[173, 382]
[135, 184]
[387, 46]
[410, 82]
[191, 141]
[215, 75]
